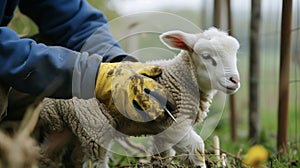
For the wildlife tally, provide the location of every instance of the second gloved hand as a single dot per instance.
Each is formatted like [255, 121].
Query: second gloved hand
[126, 87]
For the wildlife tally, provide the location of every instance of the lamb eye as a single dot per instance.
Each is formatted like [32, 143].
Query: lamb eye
[205, 55]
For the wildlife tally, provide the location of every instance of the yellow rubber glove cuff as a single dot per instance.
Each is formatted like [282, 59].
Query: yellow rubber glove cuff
[121, 86]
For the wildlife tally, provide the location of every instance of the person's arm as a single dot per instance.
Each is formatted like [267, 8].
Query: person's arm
[73, 24]
[51, 71]
[34, 68]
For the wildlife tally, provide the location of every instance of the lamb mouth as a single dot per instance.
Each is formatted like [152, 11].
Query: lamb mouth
[233, 88]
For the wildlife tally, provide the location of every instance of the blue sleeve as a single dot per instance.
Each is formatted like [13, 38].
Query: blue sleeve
[48, 71]
[73, 24]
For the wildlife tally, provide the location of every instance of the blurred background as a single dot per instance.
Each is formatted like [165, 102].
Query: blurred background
[136, 24]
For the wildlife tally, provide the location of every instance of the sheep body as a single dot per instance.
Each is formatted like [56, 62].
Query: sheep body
[86, 119]
[95, 126]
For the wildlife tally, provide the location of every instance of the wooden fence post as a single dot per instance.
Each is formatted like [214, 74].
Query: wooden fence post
[232, 97]
[284, 78]
[254, 71]
[223, 8]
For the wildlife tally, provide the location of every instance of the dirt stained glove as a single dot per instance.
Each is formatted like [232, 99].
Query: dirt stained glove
[127, 87]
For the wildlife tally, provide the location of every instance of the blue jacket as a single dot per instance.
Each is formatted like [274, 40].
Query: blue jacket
[63, 71]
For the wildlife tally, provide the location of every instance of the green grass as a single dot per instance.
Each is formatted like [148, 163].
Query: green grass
[267, 138]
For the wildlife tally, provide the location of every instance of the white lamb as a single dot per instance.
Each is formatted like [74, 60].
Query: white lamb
[205, 65]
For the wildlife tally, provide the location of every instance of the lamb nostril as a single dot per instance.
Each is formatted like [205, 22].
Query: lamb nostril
[234, 80]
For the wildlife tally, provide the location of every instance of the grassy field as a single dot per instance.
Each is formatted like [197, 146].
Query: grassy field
[268, 103]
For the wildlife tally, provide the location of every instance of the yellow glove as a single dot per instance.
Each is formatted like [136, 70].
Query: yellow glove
[125, 86]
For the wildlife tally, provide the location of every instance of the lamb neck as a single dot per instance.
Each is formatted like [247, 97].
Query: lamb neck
[179, 79]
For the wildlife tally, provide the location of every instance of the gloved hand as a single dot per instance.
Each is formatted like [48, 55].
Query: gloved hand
[127, 87]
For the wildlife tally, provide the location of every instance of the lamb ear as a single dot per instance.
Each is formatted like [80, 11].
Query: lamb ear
[178, 40]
